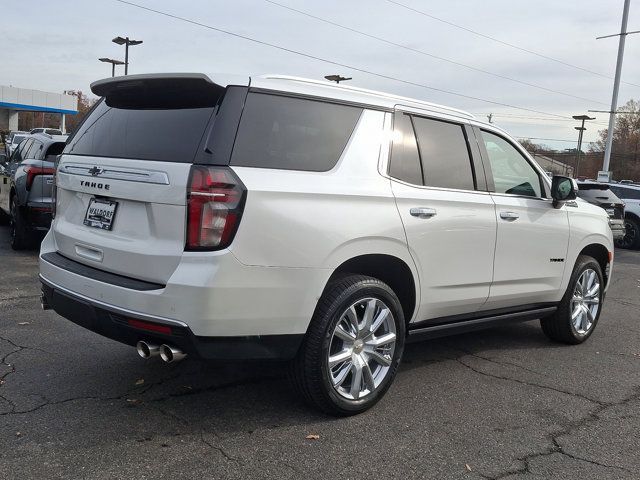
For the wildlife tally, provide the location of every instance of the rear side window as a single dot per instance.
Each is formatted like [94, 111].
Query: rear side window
[405, 160]
[144, 132]
[292, 133]
[446, 161]
[54, 149]
[626, 193]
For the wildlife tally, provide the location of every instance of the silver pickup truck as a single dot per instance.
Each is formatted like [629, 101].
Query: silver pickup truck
[26, 186]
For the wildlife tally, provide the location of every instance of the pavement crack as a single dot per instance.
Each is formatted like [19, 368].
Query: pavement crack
[524, 382]
[556, 446]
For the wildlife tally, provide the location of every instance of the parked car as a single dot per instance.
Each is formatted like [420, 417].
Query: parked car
[26, 184]
[299, 220]
[601, 195]
[49, 131]
[629, 193]
[13, 140]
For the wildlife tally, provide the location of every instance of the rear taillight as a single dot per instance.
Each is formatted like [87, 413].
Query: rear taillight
[215, 199]
[32, 172]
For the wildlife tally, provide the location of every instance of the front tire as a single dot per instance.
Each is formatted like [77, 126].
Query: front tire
[579, 310]
[353, 347]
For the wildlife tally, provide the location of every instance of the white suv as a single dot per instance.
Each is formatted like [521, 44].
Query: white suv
[630, 195]
[300, 220]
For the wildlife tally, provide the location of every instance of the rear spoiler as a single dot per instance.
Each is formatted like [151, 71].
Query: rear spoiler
[159, 90]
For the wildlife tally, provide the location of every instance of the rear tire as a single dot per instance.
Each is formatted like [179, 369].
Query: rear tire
[579, 310]
[353, 346]
[20, 238]
[632, 234]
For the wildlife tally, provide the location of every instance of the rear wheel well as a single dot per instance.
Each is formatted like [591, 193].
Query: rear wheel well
[389, 269]
[632, 216]
[600, 253]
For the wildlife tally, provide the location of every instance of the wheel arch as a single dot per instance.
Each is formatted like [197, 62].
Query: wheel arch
[632, 215]
[390, 269]
[601, 254]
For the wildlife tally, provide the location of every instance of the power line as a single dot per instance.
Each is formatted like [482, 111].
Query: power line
[357, 69]
[517, 47]
[437, 57]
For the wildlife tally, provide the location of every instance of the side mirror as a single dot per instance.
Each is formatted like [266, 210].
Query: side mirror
[563, 189]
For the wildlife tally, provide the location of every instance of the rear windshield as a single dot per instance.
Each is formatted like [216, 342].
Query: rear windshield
[141, 132]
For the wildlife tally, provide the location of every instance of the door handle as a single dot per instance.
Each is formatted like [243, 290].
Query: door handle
[509, 215]
[423, 212]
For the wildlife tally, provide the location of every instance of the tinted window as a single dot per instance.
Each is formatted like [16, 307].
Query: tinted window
[627, 193]
[141, 132]
[292, 133]
[55, 149]
[444, 153]
[512, 173]
[34, 151]
[405, 161]
[18, 154]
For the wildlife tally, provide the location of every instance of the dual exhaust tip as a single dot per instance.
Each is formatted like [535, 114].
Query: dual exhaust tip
[168, 353]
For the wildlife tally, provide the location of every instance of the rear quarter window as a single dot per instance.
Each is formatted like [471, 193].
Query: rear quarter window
[292, 133]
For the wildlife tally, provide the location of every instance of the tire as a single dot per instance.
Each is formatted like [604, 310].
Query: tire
[632, 235]
[20, 238]
[4, 218]
[333, 332]
[561, 326]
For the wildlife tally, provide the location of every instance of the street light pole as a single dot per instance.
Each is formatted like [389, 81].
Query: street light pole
[616, 84]
[581, 130]
[113, 64]
[126, 41]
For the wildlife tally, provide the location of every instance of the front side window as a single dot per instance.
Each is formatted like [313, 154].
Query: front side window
[446, 162]
[512, 173]
[292, 133]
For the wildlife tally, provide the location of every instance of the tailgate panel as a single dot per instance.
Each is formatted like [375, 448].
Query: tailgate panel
[148, 234]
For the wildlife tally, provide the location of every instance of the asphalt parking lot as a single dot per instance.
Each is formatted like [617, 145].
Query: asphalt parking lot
[503, 403]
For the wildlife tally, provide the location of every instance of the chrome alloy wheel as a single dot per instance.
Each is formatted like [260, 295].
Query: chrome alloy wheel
[361, 348]
[585, 302]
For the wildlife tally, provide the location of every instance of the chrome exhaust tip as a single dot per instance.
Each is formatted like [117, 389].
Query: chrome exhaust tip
[43, 302]
[147, 350]
[171, 354]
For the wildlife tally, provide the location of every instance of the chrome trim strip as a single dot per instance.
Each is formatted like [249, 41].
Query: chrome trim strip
[119, 173]
[111, 308]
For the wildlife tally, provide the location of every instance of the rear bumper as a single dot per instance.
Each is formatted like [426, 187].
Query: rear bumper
[211, 293]
[113, 323]
[618, 228]
[38, 216]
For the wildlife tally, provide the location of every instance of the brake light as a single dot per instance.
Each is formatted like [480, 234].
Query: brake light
[215, 200]
[32, 172]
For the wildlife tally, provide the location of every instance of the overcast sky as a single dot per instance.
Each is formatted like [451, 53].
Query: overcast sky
[54, 46]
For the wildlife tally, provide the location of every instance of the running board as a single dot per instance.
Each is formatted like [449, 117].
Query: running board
[470, 325]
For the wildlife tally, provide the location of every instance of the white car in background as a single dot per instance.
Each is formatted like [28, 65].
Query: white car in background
[13, 140]
[306, 221]
[629, 193]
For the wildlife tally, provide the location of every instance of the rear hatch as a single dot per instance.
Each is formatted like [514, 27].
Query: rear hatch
[600, 194]
[122, 178]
